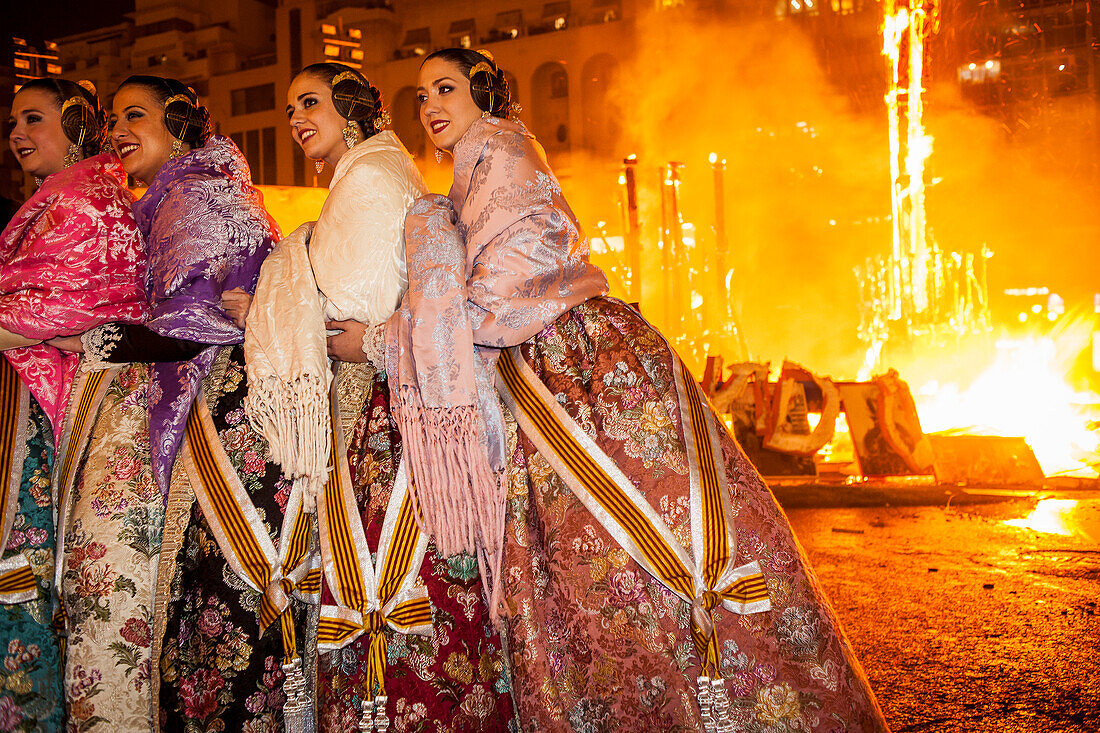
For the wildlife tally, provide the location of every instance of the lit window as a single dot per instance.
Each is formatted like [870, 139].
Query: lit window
[22, 63]
[53, 68]
[357, 54]
[332, 51]
[420, 50]
[355, 33]
[559, 23]
[328, 30]
[465, 42]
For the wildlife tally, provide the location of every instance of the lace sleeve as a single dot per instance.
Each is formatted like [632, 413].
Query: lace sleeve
[99, 343]
[374, 346]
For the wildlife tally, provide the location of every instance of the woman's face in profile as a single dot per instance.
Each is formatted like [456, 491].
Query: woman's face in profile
[447, 108]
[37, 140]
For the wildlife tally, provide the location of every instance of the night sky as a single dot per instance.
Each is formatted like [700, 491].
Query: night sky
[49, 19]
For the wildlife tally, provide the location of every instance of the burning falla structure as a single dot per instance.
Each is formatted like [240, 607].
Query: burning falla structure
[917, 291]
[984, 394]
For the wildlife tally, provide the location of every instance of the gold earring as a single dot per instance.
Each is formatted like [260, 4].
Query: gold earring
[351, 134]
[319, 165]
[177, 149]
[73, 155]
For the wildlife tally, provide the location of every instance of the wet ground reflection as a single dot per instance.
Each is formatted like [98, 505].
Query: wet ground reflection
[1053, 516]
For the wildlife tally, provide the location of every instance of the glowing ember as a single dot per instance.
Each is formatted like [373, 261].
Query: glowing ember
[1050, 516]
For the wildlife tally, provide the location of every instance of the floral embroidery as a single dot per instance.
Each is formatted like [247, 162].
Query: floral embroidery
[112, 545]
[217, 671]
[593, 638]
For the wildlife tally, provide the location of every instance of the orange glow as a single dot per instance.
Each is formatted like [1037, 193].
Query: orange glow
[1049, 516]
[1023, 392]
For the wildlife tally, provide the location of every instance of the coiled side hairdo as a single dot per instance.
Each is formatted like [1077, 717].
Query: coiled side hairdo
[83, 120]
[488, 85]
[185, 118]
[353, 96]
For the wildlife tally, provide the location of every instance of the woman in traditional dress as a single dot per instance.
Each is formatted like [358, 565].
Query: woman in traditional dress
[404, 635]
[70, 259]
[648, 579]
[206, 231]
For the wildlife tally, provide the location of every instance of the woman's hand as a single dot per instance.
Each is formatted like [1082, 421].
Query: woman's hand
[235, 303]
[347, 345]
[67, 343]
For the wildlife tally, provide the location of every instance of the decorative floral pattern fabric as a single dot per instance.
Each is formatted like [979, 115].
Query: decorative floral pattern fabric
[207, 232]
[30, 680]
[597, 643]
[112, 545]
[455, 680]
[217, 672]
[77, 236]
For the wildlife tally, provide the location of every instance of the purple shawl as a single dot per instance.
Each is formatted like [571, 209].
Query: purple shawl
[206, 231]
[490, 266]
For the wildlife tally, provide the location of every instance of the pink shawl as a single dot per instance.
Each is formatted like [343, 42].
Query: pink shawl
[490, 266]
[71, 259]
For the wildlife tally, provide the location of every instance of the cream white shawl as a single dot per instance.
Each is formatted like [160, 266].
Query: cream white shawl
[350, 264]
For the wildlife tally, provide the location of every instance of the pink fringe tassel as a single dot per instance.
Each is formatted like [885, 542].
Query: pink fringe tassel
[460, 499]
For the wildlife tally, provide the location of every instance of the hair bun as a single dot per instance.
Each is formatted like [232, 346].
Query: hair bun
[489, 86]
[185, 120]
[88, 86]
[355, 99]
[79, 121]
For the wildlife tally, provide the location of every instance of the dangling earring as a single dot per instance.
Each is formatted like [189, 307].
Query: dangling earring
[438, 155]
[73, 155]
[351, 134]
[319, 165]
[485, 115]
[37, 182]
[177, 149]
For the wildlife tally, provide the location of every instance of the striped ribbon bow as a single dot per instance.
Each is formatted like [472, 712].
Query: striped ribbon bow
[240, 533]
[370, 594]
[704, 578]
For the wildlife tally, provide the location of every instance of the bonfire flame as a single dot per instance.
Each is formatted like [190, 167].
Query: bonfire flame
[1024, 392]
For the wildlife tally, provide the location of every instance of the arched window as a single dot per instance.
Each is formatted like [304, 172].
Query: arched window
[550, 106]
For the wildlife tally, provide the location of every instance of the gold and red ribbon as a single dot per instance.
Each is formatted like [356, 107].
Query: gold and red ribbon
[17, 583]
[369, 595]
[704, 578]
[248, 549]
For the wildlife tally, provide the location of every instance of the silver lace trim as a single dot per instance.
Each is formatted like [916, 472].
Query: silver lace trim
[374, 346]
[98, 344]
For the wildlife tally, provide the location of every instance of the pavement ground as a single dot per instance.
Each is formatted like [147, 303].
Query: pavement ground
[964, 622]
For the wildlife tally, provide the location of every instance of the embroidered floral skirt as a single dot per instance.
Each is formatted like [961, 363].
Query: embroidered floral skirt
[30, 680]
[217, 671]
[454, 680]
[112, 543]
[596, 643]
